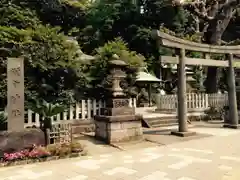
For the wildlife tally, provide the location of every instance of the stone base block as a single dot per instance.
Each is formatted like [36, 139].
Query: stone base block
[13, 141]
[110, 130]
[231, 126]
[183, 134]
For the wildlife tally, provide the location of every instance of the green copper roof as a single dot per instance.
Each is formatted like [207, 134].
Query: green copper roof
[143, 76]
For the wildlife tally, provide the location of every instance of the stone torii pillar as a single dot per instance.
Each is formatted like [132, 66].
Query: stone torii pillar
[182, 99]
[181, 45]
[232, 99]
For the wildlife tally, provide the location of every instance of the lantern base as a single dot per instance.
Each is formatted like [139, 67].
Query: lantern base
[121, 128]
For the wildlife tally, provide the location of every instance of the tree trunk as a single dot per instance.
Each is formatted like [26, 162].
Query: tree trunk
[214, 36]
[47, 123]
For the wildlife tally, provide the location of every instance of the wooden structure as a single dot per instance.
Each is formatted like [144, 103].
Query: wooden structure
[180, 47]
[60, 133]
[196, 102]
[84, 110]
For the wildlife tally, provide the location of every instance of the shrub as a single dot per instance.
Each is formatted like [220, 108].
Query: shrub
[76, 147]
[64, 150]
[54, 149]
[59, 149]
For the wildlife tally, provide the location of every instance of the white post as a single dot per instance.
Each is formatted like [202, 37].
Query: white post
[134, 102]
[71, 112]
[77, 111]
[130, 102]
[206, 101]
[100, 105]
[65, 116]
[89, 109]
[37, 120]
[58, 118]
[94, 107]
[83, 109]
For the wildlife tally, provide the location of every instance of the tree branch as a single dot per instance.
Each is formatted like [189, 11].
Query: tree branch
[198, 8]
[207, 10]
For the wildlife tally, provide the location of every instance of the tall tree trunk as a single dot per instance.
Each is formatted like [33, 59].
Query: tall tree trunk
[213, 35]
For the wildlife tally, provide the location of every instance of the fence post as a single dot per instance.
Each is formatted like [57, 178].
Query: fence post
[29, 121]
[94, 107]
[37, 120]
[71, 112]
[65, 116]
[77, 111]
[83, 109]
[89, 108]
[130, 102]
[134, 102]
[206, 101]
[100, 105]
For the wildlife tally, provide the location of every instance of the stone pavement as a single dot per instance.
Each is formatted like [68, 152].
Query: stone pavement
[212, 158]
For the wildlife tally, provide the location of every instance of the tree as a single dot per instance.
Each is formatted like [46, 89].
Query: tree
[63, 13]
[215, 18]
[98, 69]
[106, 20]
[52, 63]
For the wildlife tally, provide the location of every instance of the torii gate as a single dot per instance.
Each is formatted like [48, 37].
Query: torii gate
[180, 46]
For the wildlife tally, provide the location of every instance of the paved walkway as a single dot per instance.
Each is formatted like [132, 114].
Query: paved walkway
[212, 158]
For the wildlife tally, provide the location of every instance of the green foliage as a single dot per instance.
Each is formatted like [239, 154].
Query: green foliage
[64, 13]
[3, 117]
[119, 47]
[54, 71]
[48, 54]
[14, 15]
[99, 66]
[50, 58]
[3, 120]
[46, 110]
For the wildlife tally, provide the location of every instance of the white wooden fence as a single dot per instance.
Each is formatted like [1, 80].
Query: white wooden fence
[86, 109]
[198, 102]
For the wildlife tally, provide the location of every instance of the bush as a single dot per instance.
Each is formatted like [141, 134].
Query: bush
[76, 147]
[65, 148]
[53, 149]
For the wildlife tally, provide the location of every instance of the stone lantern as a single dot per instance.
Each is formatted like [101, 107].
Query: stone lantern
[117, 122]
[117, 75]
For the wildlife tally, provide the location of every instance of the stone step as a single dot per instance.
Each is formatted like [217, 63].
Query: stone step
[163, 122]
[159, 121]
[79, 126]
[164, 125]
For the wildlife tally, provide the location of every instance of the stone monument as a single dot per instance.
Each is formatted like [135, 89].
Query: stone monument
[16, 138]
[117, 122]
[15, 93]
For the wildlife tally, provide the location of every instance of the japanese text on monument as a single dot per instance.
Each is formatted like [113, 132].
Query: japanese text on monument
[15, 84]
[16, 73]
